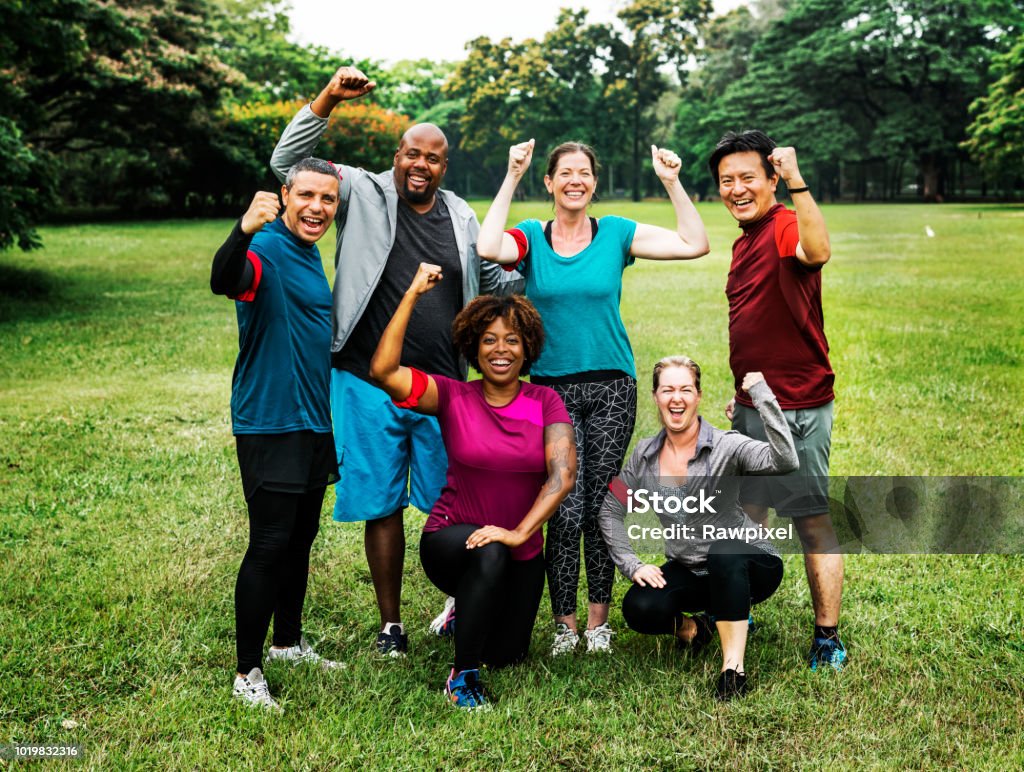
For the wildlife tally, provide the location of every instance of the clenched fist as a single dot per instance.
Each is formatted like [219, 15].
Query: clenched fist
[263, 209]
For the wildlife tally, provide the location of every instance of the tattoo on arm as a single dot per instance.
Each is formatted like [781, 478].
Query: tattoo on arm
[560, 445]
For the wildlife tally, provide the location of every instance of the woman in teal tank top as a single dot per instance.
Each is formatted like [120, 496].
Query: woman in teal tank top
[573, 268]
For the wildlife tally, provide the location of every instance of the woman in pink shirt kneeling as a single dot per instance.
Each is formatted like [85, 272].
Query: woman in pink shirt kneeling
[511, 461]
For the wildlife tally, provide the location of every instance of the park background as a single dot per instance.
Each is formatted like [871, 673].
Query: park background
[133, 132]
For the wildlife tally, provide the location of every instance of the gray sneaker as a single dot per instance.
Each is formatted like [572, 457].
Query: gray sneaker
[253, 690]
[565, 640]
[302, 653]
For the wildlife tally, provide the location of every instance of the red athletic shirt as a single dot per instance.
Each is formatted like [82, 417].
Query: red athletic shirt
[776, 324]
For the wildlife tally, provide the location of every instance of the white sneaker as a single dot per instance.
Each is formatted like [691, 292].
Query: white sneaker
[302, 653]
[438, 625]
[600, 638]
[253, 690]
[565, 640]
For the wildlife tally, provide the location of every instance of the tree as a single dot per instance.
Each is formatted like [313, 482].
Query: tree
[659, 35]
[861, 81]
[996, 135]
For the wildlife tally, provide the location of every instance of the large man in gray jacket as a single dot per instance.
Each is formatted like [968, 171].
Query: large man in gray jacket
[387, 224]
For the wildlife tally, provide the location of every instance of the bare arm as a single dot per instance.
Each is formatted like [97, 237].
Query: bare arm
[689, 239]
[493, 243]
[814, 249]
[386, 369]
[560, 454]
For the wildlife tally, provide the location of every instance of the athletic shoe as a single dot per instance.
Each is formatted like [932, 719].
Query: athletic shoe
[565, 640]
[253, 690]
[600, 638]
[302, 653]
[730, 684]
[465, 691]
[444, 623]
[392, 642]
[827, 651]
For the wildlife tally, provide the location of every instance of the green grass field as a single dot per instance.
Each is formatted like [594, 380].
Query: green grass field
[122, 525]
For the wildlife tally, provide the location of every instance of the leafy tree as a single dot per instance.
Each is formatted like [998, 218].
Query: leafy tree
[659, 35]
[862, 81]
[996, 135]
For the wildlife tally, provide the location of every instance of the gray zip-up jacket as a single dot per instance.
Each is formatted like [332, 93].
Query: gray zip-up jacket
[365, 222]
[717, 466]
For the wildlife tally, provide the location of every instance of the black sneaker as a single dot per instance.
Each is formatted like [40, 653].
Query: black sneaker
[392, 642]
[730, 684]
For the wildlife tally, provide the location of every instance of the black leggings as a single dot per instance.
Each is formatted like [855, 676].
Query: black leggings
[496, 597]
[272, 578]
[738, 576]
[603, 414]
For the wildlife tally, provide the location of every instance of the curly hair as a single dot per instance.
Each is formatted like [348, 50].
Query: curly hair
[518, 313]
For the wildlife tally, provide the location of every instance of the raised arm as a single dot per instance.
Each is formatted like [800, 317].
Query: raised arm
[493, 243]
[386, 369]
[814, 249]
[560, 454]
[232, 274]
[689, 239]
[302, 135]
[778, 455]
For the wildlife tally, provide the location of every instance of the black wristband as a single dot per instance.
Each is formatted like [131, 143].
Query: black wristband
[804, 189]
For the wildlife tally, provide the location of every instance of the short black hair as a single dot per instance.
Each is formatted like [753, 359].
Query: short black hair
[743, 142]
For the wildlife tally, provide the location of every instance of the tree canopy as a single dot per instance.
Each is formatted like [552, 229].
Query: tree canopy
[171, 107]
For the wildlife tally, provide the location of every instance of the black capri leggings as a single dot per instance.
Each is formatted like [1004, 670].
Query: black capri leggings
[273, 575]
[496, 597]
[738, 576]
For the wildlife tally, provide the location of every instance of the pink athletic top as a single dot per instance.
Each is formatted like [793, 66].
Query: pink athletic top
[496, 463]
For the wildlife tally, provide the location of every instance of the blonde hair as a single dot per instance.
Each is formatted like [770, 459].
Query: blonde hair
[677, 360]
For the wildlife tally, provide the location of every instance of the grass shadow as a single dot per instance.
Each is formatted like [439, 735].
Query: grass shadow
[28, 293]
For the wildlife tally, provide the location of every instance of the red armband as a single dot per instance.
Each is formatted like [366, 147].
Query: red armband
[419, 388]
[619, 490]
[257, 273]
[521, 243]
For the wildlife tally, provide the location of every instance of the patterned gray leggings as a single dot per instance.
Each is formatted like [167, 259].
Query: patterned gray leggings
[603, 414]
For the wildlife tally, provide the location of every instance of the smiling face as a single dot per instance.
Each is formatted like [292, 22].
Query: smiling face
[573, 181]
[677, 398]
[500, 353]
[746, 189]
[420, 164]
[310, 204]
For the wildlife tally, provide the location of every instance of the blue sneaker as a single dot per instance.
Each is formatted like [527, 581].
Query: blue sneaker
[751, 624]
[464, 690]
[827, 651]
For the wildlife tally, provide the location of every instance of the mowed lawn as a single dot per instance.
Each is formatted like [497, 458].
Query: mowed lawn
[122, 524]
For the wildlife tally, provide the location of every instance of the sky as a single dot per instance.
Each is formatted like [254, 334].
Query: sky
[391, 30]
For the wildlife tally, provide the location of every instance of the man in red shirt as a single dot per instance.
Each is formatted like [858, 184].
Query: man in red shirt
[776, 326]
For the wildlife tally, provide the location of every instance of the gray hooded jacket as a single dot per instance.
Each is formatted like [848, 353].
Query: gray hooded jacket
[365, 222]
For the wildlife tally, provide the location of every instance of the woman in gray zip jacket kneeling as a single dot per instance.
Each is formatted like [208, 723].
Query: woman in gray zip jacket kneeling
[689, 475]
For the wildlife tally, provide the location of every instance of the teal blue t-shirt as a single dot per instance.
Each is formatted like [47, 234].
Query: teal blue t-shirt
[578, 299]
[282, 375]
